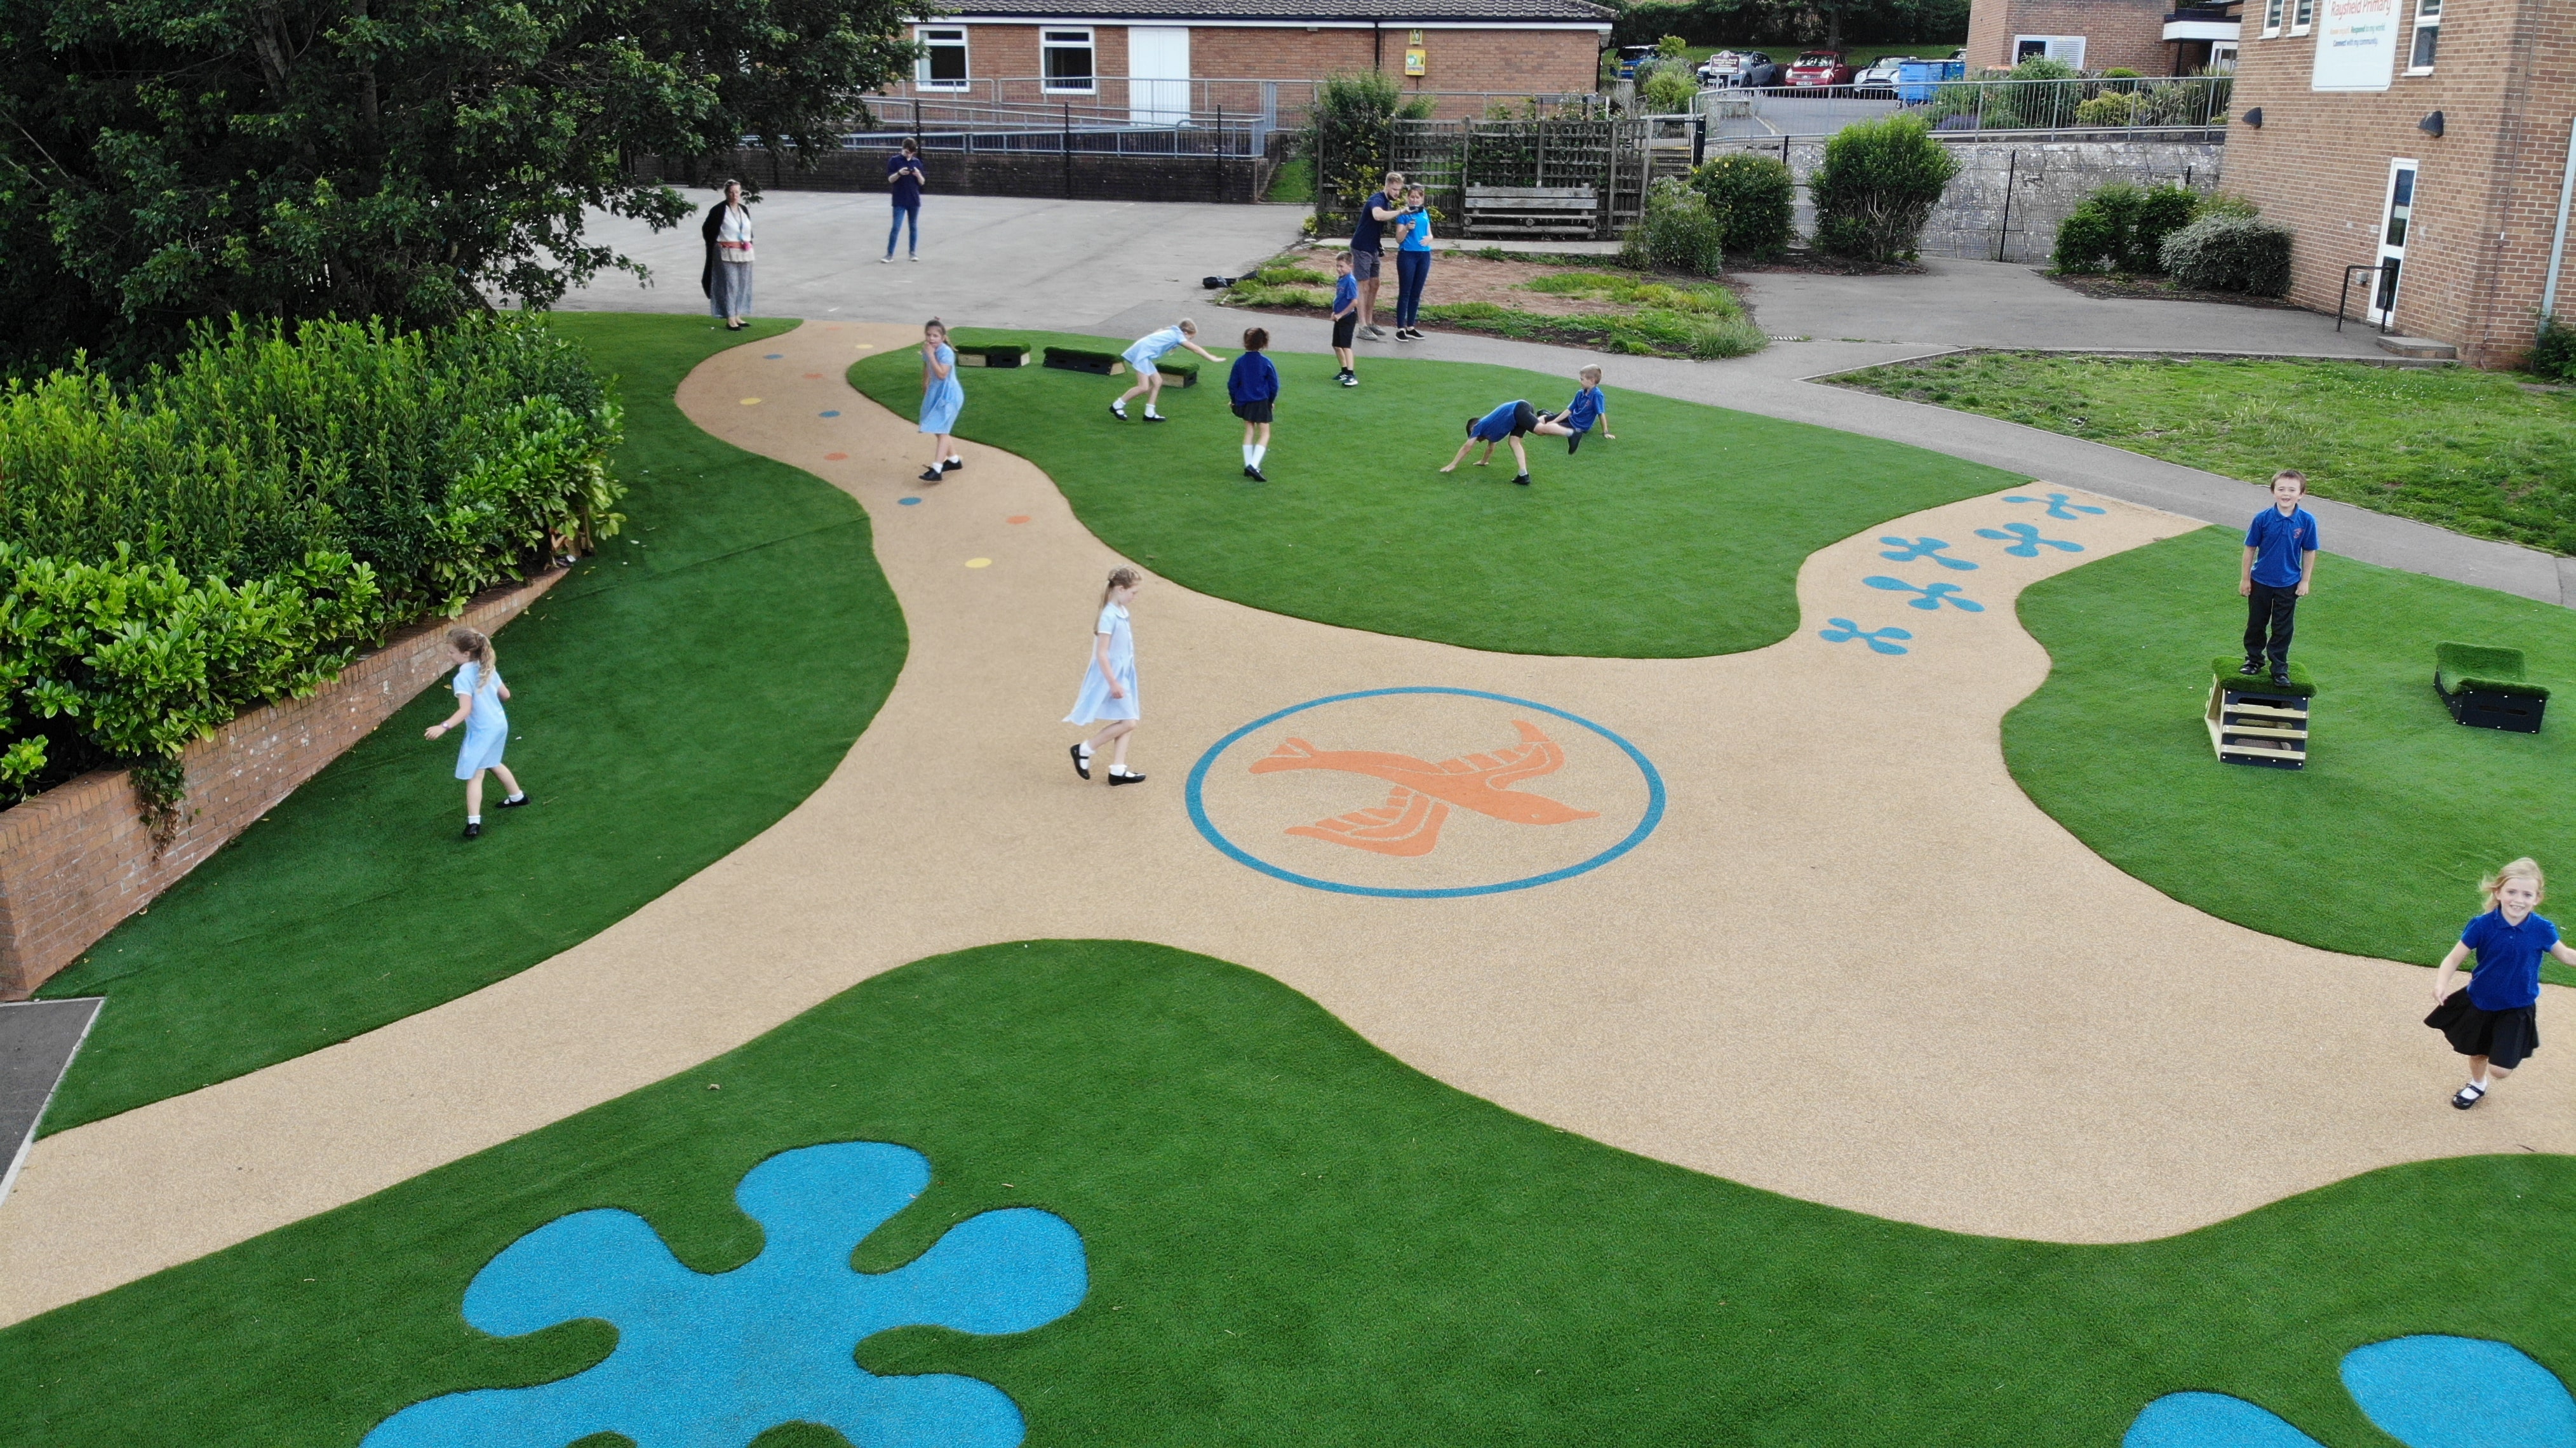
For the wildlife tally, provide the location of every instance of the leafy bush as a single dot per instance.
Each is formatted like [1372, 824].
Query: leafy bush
[2111, 108]
[1754, 199]
[2119, 72]
[2227, 203]
[2553, 353]
[1678, 233]
[232, 529]
[2224, 253]
[1668, 90]
[1877, 186]
[1352, 136]
[2122, 228]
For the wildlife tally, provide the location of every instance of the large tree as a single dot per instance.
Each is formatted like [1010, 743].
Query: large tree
[167, 160]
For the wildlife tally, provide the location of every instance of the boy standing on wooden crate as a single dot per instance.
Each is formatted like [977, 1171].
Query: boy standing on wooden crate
[2280, 564]
[1346, 318]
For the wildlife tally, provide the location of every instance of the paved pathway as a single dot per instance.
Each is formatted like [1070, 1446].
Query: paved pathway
[1677, 1001]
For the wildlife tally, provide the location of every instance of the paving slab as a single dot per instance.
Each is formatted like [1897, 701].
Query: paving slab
[37, 1042]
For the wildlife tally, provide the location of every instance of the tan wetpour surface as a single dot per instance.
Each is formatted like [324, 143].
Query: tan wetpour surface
[1853, 963]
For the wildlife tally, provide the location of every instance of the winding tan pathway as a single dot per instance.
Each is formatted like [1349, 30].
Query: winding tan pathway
[1854, 964]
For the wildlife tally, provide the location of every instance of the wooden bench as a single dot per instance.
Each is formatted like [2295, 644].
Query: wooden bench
[1532, 211]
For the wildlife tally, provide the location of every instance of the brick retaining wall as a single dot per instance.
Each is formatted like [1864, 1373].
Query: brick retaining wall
[77, 859]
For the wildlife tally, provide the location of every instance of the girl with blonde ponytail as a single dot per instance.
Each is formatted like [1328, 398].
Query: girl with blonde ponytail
[2494, 1020]
[1109, 685]
[479, 692]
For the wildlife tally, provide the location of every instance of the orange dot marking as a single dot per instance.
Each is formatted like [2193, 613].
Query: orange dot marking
[812, 375]
[836, 457]
[1017, 518]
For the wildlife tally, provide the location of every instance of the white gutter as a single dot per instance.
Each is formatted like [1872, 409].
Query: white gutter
[2558, 244]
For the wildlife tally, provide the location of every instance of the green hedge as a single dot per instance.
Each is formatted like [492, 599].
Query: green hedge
[1878, 184]
[231, 530]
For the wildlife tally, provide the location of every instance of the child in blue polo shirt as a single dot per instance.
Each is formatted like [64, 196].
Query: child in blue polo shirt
[1507, 423]
[2494, 1022]
[1254, 387]
[1588, 408]
[1346, 319]
[2280, 564]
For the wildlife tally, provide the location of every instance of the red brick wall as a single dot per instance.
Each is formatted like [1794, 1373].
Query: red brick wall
[2117, 33]
[77, 859]
[2486, 197]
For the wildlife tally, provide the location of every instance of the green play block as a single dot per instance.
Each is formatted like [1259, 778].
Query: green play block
[2302, 685]
[2485, 669]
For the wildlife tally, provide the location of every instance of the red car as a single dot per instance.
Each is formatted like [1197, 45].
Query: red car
[1821, 67]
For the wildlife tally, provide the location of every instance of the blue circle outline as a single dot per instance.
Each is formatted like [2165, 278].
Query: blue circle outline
[1645, 826]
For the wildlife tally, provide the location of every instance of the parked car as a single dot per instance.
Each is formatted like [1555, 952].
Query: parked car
[1632, 56]
[1882, 74]
[1761, 70]
[1821, 67]
[1727, 66]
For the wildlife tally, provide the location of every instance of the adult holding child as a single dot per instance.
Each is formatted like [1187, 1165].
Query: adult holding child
[1145, 355]
[727, 277]
[905, 178]
[1368, 241]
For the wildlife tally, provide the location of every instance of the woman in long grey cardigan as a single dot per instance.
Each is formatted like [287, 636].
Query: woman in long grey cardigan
[727, 278]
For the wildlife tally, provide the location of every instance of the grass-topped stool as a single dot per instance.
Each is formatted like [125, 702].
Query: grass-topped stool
[2255, 721]
[992, 354]
[2486, 689]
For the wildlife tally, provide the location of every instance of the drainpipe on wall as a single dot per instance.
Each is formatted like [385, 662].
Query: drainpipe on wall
[2558, 242]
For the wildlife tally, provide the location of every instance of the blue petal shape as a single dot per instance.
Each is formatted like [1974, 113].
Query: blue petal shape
[2210, 1420]
[2459, 1392]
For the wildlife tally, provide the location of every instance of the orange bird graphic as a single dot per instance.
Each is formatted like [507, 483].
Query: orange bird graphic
[1409, 822]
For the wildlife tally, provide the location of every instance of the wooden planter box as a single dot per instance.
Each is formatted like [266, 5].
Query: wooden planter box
[2255, 721]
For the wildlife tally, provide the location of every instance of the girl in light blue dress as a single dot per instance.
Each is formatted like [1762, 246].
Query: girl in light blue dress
[942, 395]
[479, 692]
[1109, 685]
[1143, 357]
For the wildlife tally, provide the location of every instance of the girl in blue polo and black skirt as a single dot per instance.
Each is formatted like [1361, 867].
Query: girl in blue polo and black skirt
[2494, 1020]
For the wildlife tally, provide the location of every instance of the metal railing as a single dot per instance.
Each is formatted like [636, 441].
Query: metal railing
[1233, 139]
[2112, 103]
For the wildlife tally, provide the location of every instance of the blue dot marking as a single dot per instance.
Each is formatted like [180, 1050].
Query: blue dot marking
[771, 356]
[834, 412]
[907, 502]
[1193, 794]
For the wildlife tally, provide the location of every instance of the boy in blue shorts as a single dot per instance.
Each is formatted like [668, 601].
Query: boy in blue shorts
[1587, 409]
[1253, 386]
[2280, 564]
[1346, 318]
[1507, 423]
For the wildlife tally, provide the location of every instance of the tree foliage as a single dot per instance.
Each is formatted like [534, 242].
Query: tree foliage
[165, 161]
[1877, 187]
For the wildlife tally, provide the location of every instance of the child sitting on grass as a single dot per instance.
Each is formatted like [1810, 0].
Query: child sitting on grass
[2494, 1021]
[1507, 423]
[1588, 408]
[1254, 387]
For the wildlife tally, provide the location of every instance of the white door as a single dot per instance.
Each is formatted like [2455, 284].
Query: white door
[2393, 226]
[1158, 74]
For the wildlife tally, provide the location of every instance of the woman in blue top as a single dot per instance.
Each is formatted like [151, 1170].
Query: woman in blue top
[1412, 264]
[1109, 685]
[479, 692]
[1145, 354]
[2495, 1021]
[1253, 386]
[942, 396]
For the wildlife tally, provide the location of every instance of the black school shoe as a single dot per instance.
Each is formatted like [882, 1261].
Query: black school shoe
[930, 475]
[1523, 480]
[1081, 765]
[2464, 1098]
[1116, 778]
[474, 831]
[2251, 666]
[521, 799]
[952, 465]
[1255, 475]
[1573, 441]
[2281, 677]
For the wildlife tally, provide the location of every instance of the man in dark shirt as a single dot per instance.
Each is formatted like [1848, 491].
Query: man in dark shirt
[904, 177]
[1367, 253]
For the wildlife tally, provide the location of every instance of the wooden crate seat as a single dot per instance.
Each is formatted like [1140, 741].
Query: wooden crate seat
[1532, 211]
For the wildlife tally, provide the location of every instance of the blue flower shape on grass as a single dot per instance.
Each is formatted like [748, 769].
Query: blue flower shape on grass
[2030, 542]
[1902, 551]
[1933, 594]
[2059, 506]
[1844, 631]
[715, 1360]
[2424, 1391]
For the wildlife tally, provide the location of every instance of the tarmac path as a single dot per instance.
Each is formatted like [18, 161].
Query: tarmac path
[1842, 956]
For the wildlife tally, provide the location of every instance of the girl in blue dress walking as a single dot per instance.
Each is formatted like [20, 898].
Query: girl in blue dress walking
[942, 396]
[2495, 1020]
[479, 692]
[1109, 685]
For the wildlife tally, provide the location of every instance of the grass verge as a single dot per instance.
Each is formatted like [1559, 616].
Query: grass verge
[1682, 538]
[743, 603]
[2376, 847]
[1665, 317]
[1295, 1239]
[2470, 451]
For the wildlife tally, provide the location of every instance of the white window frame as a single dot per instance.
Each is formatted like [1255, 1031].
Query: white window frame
[2428, 16]
[2272, 18]
[1059, 37]
[943, 35]
[2068, 48]
[2303, 16]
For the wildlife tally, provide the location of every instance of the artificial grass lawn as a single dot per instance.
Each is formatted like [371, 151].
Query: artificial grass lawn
[2376, 847]
[674, 697]
[1295, 1239]
[2470, 451]
[1671, 318]
[1683, 538]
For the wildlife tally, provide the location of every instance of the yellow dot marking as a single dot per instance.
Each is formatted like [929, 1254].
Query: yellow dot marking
[751, 402]
[979, 562]
[867, 346]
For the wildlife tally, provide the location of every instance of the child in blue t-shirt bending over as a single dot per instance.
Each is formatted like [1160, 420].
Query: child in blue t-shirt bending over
[1588, 409]
[2495, 1021]
[2280, 564]
[1507, 423]
[1254, 387]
